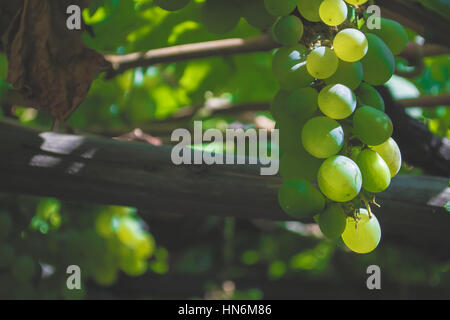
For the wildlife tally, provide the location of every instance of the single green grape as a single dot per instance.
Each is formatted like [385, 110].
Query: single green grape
[133, 266]
[339, 179]
[337, 101]
[280, 7]
[379, 62]
[349, 74]
[220, 16]
[128, 231]
[364, 235]
[322, 137]
[369, 96]
[356, 2]
[288, 30]
[350, 45]
[332, 221]
[279, 104]
[300, 199]
[375, 172]
[333, 12]
[390, 152]
[373, 127]
[254, 11]
[104, 224]
[289, 67]
[309, 9]
[299, 164]
[322, 62]
[392, 33]
[107, 275]
[172, 5]
[145, 247]
[302, 103]
[289, 133]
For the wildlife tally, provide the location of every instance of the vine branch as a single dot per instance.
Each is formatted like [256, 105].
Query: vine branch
[122, 63]
[218, 48]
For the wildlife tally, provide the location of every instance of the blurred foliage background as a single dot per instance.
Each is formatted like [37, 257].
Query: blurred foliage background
[171, 257]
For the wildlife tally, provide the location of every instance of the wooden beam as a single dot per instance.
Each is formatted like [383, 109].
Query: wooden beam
[106, 171]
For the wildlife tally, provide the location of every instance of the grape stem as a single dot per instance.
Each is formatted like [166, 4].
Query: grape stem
[373, 200]
[367, 204]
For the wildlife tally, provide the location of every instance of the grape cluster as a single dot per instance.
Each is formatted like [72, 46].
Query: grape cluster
[335, 138]
[34, 256]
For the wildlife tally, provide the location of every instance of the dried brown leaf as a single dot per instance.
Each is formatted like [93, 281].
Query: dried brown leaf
[48, 63]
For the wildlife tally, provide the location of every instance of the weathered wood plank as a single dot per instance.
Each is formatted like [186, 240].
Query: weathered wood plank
[106, 171]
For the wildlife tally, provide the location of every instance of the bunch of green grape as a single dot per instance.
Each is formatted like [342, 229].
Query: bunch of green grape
[335, 138]
[34, 256]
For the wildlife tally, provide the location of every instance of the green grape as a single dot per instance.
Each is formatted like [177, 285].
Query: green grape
[375, 172]
[7, 255]
[349, 74]
[322, 63]
[356, 2]
[337, 101]
[364, 235]
[288, 30]
[280, 7]
[322, 137]
[172, 5]
[220, 16]
[133, 266]
[145, 246]
[390, 152]
[300, 199]
[302, 103]
[369, 96]
[372, 126]
[309, 9]
[332, 221]
[279, 104]
[339, 179]
[23, 268]
[289, 67]
[333, 12]
[350, 45]
[289, 133]
[290, 128]
[379, 62]
[107, 275]
[299, 164]
[256, 14]
[128, 231]
[104, 224]
[6, 225]
[392, 33]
